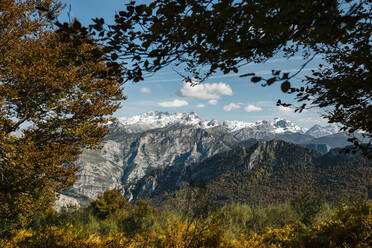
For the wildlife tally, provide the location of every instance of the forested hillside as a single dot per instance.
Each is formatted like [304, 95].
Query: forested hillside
[267, 173]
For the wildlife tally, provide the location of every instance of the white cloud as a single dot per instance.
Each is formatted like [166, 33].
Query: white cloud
[145, 90]
[230, 107]
[200, 106]
[205, 91]
[212, 102]
[285, 109]
[252, 108]
[290, 111]
[173, 104]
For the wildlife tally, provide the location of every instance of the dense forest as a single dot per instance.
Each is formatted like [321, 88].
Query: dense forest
[265, 173]
[110, 221]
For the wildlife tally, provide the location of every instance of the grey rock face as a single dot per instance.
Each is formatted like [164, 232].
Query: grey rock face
[99, 170]
[138, 146]
[127, 157]
[241, 158]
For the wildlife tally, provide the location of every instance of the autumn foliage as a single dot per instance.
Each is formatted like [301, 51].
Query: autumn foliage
[59, 85]
[140, 225]
[55, 97]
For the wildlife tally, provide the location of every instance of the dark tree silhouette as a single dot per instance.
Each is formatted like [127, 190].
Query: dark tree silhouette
[223, 35]
[56, 93]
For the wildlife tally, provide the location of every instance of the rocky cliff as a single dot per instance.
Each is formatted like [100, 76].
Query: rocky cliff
[156, 141]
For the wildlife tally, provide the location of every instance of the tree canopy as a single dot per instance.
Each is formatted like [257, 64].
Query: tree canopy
[223, 35]
[56, 93]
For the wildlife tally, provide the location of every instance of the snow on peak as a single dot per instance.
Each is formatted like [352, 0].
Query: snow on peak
[233, 126]
[319, 131]
[278, 125]
[282, 125]
[156, 119]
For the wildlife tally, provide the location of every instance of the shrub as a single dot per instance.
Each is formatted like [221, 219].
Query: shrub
[108, 204]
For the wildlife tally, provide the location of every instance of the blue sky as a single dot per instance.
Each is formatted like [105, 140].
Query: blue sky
[223, 97]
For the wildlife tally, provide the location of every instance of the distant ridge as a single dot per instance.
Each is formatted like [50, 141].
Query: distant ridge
[265, 173]
[155, 141]
[157, 119]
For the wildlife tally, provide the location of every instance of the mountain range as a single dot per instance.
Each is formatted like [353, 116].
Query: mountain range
[264, 173]
[143, 152]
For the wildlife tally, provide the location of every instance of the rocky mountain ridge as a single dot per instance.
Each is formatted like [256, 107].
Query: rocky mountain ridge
[156, 119]
[240, 158]
[139, 145]
[248, 165]
[318, 131]
[127, 157]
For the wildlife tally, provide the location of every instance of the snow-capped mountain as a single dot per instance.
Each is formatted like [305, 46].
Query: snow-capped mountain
[156, 119]
[153, 141]
[318, 131]
[282, 126]
[233, 126]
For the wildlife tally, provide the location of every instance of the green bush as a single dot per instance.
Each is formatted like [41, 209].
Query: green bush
[140, 219]
[307, 206]
[108, 204]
